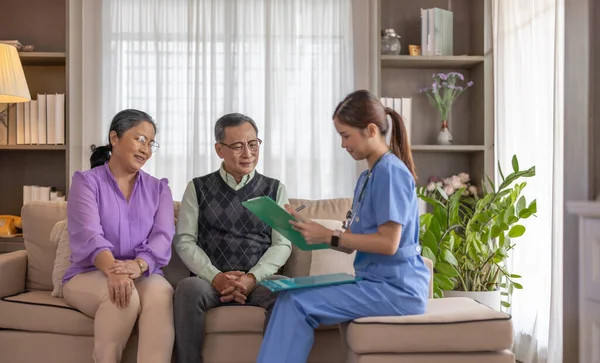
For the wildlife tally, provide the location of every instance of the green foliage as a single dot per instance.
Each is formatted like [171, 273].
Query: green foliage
[469, 238]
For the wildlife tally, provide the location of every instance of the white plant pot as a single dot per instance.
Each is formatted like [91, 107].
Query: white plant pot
[489, 298]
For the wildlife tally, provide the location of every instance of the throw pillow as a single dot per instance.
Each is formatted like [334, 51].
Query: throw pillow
[60, 237]
[330, 261]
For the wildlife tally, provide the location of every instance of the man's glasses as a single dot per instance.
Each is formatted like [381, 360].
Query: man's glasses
[238, 147]
[142, 140]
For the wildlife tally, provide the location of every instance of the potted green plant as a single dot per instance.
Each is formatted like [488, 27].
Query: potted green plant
[468, 237]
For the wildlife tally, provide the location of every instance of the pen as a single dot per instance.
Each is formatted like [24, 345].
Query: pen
[301, 207]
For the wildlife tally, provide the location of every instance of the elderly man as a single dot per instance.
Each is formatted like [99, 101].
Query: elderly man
[226, 247]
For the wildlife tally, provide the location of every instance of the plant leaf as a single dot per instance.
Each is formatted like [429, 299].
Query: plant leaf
[505, 304]
[496, 231]
[430, 241]
[515, 276]
[427, 253]
[431, 201]
[500, 170]
[517, 286]
[516, 231]
[443, 282]
[446, 269]
[442, 192]
[442, 217]
[437, 292]
[435, 228]
[515, 163]
[533, 207]
[449, 257]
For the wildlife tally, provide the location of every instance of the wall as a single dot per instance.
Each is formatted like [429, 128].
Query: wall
[577, 157]
[595, 97]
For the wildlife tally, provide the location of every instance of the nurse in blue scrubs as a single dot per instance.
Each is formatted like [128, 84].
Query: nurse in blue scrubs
[383, 227]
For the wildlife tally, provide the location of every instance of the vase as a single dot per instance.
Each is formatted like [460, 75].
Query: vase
[390, 42]
[444, 137]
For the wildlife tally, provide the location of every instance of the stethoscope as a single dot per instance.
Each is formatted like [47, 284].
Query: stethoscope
[357, 204]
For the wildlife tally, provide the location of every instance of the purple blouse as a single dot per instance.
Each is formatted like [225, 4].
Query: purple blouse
[100, 218]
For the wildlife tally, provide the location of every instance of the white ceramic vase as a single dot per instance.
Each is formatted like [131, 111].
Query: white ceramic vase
[444, 137]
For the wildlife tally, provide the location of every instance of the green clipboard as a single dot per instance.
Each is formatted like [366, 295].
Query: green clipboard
[276, 217]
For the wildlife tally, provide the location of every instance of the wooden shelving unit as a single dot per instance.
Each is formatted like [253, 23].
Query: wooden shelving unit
[33, 147]
[429, 62]
[43, 58]
[42, 23]
[472, 119]
[448, 148]
[11, 244]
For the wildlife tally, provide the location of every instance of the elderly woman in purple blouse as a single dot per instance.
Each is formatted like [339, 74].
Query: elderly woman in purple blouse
[121, 226]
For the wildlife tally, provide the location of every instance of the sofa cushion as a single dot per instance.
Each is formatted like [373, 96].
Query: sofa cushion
[335, 209]
[38, 220]
[330, 261]
[449, 325]
[37, 311]
[60, 237]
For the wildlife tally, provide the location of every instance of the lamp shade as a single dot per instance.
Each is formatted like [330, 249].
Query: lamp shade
[13, 86]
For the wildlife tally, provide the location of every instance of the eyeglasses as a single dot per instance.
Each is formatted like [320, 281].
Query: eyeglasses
[142, 140]
[238, 147]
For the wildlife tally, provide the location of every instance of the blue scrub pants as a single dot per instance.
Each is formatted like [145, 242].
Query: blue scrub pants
[290, 333]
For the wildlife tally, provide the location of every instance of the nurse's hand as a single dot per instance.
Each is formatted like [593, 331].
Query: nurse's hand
[313, 232]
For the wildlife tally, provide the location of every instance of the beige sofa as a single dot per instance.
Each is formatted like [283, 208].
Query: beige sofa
[35, 327]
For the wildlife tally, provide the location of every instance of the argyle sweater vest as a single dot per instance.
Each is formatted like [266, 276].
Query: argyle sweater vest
[231, 236]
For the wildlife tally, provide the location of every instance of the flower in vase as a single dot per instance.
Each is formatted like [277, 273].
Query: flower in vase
[464, 177]
[444, 91]
[472, 190]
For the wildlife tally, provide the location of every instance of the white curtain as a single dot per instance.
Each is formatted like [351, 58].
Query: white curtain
[528, 78]
[285, 63]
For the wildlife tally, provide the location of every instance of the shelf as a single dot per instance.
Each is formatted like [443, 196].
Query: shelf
[448, 148]
[18, 239]
[34, 147]
[43, 58]
[425, 62]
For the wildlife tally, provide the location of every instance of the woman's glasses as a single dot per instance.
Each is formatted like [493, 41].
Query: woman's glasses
[143, 140]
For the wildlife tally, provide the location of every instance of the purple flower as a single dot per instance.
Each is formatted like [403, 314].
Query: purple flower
[470, 84]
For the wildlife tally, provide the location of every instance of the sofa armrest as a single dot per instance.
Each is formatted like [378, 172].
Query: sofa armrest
[13, 273]
[429, 264]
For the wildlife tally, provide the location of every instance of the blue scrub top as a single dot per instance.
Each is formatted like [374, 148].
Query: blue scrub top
[390, 195]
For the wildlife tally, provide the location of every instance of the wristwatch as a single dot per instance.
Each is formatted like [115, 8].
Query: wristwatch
[335, 238]
[143, 266]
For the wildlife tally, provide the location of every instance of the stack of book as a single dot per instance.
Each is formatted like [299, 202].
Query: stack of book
[41, 193]
[403, 107]
[38, 122]
[436, 32]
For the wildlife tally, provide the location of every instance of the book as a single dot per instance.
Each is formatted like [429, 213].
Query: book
[276, 217]
[305, 282]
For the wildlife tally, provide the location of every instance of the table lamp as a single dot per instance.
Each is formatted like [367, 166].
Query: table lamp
[13, 86]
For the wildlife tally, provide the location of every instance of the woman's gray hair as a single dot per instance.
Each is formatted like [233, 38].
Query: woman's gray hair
[231, 120]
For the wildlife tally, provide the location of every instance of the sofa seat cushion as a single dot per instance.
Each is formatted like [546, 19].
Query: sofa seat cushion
[37, 311]
[448, 325]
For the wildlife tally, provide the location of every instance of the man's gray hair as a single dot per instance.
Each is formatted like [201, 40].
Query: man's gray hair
[231, 120]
